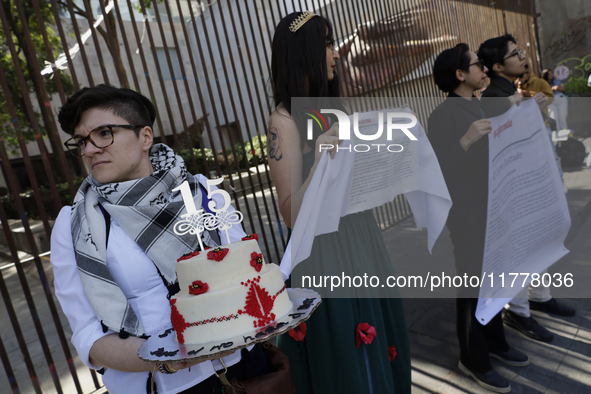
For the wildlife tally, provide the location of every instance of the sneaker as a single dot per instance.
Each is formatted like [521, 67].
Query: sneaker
[490, 380]
[552, 307]
[512, 357]
[528, 326]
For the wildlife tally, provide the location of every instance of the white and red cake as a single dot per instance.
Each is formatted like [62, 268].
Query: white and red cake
[226, 292]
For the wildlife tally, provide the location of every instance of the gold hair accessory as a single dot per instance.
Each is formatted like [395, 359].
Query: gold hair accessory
[301, 20]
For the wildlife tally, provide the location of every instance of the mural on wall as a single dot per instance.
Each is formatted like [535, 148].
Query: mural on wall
[379, 53]
[572, 38]
[569, 51]
[577, 72]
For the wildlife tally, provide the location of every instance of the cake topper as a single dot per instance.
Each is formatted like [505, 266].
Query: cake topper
[196, 221]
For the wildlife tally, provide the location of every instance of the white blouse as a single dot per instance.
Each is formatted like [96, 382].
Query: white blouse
[136, 275]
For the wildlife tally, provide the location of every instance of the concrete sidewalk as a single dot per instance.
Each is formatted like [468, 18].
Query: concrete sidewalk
[561, 366]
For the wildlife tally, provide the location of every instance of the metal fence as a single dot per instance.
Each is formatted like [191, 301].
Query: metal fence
[206, 66]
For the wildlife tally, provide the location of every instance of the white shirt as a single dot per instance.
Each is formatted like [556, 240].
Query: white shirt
[136, 275]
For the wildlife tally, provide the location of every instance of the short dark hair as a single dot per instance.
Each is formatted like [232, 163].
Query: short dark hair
[446, 64]
[546, 75]
[493, 51]
[126, 103]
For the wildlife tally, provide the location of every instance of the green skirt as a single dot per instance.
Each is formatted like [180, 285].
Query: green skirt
[327, 360]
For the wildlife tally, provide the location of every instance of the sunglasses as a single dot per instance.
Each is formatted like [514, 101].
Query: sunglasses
[519, 53]
[479, 64]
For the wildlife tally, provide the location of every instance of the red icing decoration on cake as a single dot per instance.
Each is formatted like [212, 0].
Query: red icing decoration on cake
[251, 236]
[178, 321]
[217, 254]
[198, 287]
[187, 256]
[256, 261]
[259, 303]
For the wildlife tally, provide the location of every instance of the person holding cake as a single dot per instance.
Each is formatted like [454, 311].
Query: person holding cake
[114, 250]
[303, 65]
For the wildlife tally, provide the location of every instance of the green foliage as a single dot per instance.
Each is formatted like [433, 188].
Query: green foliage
[253, 152]
[8, 64]
[31, 208]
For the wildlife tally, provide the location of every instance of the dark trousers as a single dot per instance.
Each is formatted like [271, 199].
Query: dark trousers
[476, 340]
[252, 364]
[467, 232]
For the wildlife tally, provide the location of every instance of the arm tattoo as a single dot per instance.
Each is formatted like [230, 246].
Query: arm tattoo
[274, 142]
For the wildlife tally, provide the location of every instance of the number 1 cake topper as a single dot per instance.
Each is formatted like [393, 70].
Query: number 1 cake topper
[196, 221]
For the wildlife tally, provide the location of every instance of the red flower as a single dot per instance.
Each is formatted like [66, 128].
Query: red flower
[365, 333]
[217, 254]
[256, 260]
[187, 256]
[298, 333]
[198, 287]
[251, 236]
[392, 352]
[253, 152]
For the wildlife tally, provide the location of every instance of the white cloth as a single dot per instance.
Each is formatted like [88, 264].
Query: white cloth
[139, 280]
[327, 196]
[558, 111]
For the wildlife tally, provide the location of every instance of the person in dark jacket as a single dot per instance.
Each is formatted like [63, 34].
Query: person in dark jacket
[505, 62]
[458, 133]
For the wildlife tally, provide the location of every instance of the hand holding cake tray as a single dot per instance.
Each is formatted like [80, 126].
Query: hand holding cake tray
[229, 298]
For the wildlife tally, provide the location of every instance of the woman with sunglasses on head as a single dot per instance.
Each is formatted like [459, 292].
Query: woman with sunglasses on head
[458, 133]
[328, 360]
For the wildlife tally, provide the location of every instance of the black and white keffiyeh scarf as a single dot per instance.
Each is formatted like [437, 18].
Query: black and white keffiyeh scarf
[147, 210]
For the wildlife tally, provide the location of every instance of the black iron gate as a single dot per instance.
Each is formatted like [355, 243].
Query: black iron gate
[206, 66]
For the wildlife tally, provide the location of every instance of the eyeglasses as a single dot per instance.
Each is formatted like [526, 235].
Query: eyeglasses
[101, 137]
[519, 53]
[479, 63]
[330, 44]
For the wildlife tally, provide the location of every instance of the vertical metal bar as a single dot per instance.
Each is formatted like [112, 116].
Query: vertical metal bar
[207, 123]
[70, 4]
[224, 111]
[183, 72]
[52, 129]
[378, 90]
[64, 42]
[12, 313]
[261, 113]
[43, 100]
[145, 67]
[6, 360]
[113, 49]
[97, 45]
[263, 149]
[159, 72]
[35, 127]
[59, 328]
[170, 67]
[23, 280]
[130, 61]
[198, 87]
[233, 105]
